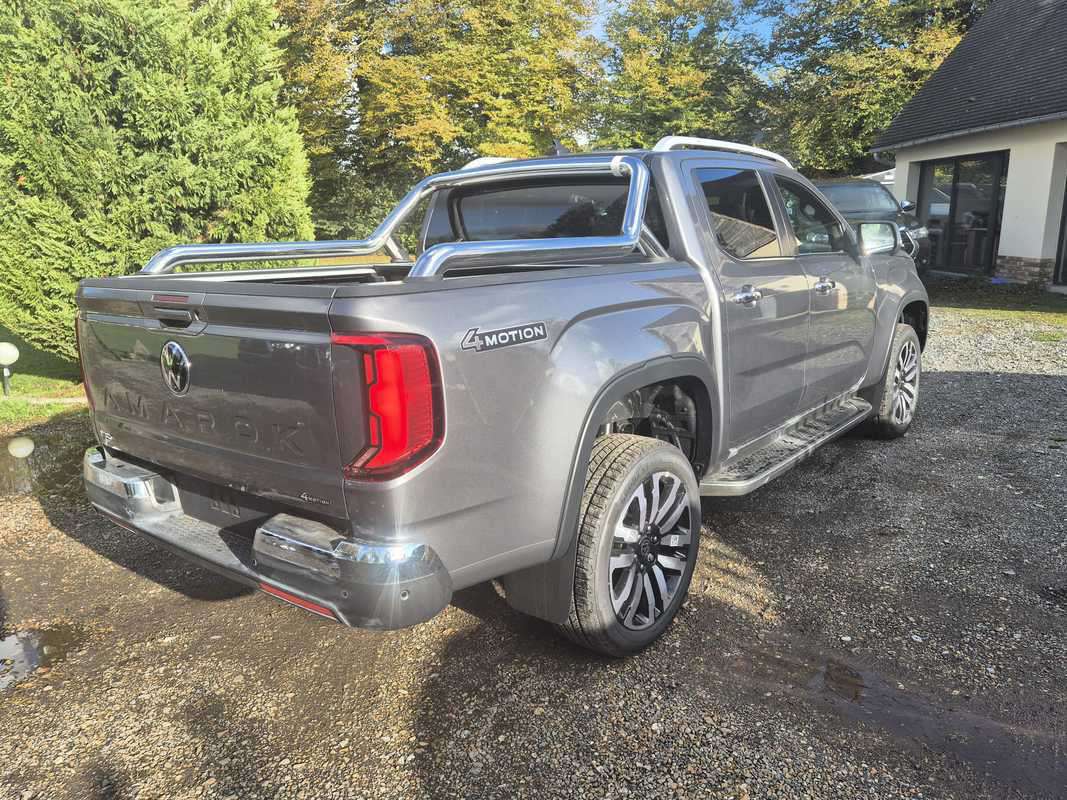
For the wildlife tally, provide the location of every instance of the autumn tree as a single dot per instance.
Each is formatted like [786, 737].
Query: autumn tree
[318, 45]
[840, 70]
[674, 67]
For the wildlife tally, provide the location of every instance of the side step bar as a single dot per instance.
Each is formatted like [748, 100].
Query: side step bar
[750, 472]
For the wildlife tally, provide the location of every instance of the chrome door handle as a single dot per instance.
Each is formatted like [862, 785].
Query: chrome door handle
[825, 286]
[748, 295]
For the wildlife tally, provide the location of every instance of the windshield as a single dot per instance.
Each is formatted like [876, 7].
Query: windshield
[853, 197]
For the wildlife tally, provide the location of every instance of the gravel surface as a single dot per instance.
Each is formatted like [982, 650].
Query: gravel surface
[887, 620]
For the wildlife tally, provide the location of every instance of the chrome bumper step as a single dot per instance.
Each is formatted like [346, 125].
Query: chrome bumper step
[751, 471]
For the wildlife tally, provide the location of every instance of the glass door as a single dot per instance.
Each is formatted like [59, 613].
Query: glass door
[1060, 277]
[960, 202]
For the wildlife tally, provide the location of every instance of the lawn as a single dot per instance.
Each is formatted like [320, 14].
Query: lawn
[42, 385]
[1007, 301]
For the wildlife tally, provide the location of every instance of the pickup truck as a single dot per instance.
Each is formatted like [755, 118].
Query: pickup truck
[577, 349]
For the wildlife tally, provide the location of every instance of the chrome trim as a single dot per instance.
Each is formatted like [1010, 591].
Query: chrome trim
[433, 261]
[698, 143]
[138, 491]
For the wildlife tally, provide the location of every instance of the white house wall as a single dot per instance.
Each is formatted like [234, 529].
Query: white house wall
[1033, 201]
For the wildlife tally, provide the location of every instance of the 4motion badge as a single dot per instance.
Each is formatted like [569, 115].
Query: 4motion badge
[481, 341]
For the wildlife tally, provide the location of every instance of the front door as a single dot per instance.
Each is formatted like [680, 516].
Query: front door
[961, 202]
[765, 296]
[842, 287]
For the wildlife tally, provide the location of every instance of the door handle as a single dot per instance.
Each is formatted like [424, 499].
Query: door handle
[824, 286]
[748, 295]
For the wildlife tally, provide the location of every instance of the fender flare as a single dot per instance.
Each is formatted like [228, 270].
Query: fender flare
[908, 298]
[545, 590]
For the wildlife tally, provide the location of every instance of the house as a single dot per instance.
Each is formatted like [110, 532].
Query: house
[982, 147]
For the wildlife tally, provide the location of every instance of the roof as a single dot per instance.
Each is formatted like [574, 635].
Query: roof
[1010, 69]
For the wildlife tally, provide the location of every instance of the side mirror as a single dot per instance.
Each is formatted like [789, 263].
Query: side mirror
[907, 206]
[878, 238]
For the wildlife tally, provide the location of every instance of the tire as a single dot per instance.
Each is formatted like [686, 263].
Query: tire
[896, 397]
[629, 580]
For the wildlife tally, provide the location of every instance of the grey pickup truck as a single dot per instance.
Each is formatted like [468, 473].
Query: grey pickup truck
[539, 391]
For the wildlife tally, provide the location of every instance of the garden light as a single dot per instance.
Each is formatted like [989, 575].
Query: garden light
[9, 354]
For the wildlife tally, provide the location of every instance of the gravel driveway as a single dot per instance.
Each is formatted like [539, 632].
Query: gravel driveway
[887, 620]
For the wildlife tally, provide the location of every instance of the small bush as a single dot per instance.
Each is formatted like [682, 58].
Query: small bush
[126, 127]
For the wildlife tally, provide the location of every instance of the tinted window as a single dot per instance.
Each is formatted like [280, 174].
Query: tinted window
[814, 225]
[860, 197]
[542, 210]
[740, 214]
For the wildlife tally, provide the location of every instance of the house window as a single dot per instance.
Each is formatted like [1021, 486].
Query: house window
[961, 201]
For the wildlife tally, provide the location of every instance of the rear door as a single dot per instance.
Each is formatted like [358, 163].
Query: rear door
[765, 297]
[842, 288]
[230, 384]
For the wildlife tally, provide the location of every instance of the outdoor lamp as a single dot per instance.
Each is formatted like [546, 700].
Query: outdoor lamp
[20, 446]
[9, 354]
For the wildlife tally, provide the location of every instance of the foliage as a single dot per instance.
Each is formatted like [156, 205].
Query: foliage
[672, 67]
[126, 127]
[318, 84]
[840, 70]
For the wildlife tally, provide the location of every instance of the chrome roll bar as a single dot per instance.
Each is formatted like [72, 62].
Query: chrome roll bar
[434, 260]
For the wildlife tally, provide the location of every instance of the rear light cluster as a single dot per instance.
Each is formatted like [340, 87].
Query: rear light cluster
[402, 397]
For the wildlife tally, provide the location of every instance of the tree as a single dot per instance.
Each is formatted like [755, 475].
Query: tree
[674, 67]
[126, 127]
[443, 81]
[840, 70]
[316, 66]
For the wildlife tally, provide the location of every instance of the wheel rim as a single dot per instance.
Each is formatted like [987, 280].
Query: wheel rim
[905, 383]
[650, 550]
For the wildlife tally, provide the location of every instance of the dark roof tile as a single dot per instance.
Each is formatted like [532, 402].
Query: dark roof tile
[1010, 67]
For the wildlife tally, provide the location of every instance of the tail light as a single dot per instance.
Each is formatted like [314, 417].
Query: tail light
[81, 362]
[401, 403]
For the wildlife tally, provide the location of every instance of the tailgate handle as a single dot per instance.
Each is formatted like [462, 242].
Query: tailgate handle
[174, 317]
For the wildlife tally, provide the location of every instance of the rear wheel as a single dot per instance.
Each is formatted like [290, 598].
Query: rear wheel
[639, 532]
[896, 398]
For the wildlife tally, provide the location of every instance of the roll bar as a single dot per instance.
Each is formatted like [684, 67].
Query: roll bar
[435, 259]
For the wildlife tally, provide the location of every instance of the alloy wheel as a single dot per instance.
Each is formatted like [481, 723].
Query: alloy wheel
[905, 383]
[650, 550]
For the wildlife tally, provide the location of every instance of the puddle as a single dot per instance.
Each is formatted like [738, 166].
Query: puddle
[1014, 754]
[43, 464]
[24, 652]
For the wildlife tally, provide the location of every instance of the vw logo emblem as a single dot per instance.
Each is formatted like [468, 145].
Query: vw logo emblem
[175, 366]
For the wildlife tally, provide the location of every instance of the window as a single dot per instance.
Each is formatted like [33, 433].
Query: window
[815, 227]
[860, 197]
[740, 214]
[539, 210]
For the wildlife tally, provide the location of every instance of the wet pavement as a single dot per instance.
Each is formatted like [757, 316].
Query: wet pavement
[887, 620]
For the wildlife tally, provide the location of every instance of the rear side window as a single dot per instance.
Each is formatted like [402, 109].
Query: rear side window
[740, 214]
[538, 210]
[815, 227]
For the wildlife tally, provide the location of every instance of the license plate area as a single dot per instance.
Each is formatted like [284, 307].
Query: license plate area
[221, 506]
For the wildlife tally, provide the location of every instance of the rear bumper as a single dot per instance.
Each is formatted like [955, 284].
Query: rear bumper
[359, 583]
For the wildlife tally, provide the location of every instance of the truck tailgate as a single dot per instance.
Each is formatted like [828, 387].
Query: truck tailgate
[232, 388]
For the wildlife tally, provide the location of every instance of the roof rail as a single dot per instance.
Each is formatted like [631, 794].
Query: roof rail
[696, 143]
[485, 161]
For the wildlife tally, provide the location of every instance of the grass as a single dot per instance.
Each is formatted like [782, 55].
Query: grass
[42, 384]
[1002, 302]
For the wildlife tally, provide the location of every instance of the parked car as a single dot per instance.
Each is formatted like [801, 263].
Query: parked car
[579, 349]
[862, 200]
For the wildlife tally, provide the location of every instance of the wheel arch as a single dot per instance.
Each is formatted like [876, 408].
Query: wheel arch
[544, 590]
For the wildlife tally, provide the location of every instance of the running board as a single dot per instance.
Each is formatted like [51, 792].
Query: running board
[752, 471]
